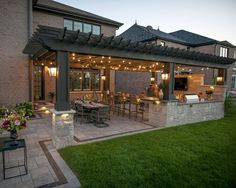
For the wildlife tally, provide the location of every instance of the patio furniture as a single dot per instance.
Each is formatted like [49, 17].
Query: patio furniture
[82, 112]
[136, 107]
[10, 145]
[117, 104]
[100, 115]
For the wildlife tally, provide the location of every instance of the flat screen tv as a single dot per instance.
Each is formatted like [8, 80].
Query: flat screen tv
[181, 83]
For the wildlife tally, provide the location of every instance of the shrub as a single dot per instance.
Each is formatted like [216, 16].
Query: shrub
[3, 112]
[24, 109]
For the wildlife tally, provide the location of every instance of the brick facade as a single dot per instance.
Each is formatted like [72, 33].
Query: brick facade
[16, 72]
[14, 65]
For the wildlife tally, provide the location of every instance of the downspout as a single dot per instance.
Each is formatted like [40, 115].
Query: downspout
[29, 20]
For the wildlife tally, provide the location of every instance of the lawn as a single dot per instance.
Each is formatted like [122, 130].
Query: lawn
[197, 155]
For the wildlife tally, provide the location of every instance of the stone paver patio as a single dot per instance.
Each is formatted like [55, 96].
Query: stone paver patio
[46, 167]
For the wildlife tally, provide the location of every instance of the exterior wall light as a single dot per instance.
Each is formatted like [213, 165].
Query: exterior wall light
[52, 70]
[164, 76]
[152, 79]
[103, 77]
[219, 79]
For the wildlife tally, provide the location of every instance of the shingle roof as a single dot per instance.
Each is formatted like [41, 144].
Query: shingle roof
[142, 34]
[57, 7]
[192, 38]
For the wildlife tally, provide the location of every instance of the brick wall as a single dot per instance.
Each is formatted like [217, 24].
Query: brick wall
[132, 82]
[14, 81]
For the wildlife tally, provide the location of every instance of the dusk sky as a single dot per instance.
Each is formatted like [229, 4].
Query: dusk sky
[212, 18]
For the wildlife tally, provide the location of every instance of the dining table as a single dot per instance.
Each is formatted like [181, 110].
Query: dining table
[90, 105]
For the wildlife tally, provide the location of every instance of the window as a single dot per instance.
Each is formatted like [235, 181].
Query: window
[38, 83]
[75, 80]
[78, 26]
[162, 43]
[68, 24]
[87, 28]
[96, 30]
[223, 52]
[83, 27]
[84, 79]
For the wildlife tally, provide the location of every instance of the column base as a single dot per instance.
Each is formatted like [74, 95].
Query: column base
[62, 128]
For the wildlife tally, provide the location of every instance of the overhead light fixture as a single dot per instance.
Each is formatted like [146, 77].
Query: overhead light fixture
[52, 70]
[164, 76]
[103, 77]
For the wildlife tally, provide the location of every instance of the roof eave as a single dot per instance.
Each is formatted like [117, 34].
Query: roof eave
[68, 13]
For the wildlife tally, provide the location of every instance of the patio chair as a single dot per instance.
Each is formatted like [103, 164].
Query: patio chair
[136, 108]
[100, 115]
[82, 113]
[117, 104]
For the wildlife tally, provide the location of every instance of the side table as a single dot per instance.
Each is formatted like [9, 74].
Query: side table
[10, 145]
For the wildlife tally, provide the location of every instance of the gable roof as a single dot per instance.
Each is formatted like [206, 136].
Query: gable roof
[59, 8]
[192, 38]
[140, 33]
[198, 40]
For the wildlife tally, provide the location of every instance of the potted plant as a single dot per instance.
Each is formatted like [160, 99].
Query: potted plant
[13, 123]
[209, 93]
[51, 96]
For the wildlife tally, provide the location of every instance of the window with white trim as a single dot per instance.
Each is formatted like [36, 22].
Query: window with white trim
[162, 43]
[224, 52]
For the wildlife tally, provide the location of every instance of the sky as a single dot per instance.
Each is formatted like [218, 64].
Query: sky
[212, 18]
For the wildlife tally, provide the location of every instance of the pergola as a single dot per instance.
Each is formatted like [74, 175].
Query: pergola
[49, 43]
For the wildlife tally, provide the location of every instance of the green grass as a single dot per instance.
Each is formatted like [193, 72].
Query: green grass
[199, 155]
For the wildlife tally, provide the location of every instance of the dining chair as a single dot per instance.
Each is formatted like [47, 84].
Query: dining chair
[136, 107]
[100, 115]
[82, 113]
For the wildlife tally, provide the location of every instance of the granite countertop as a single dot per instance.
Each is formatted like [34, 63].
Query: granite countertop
[150, 99]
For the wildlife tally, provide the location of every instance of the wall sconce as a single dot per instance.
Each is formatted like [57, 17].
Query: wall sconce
[219, 79]
[103, 77]
[52, 70]
[152, 79]
[212, 87]
[164, 76]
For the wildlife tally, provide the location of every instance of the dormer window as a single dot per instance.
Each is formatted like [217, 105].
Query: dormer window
[223, 52]
[162, 43]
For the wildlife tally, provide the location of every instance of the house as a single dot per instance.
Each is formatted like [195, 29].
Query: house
[20, 78]
[179, 39]
[76, 54]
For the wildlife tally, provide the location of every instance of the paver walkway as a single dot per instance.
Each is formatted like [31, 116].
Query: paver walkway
[46, 167]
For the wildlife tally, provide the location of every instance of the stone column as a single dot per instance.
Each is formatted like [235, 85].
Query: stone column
[62, 128]
[62, 116]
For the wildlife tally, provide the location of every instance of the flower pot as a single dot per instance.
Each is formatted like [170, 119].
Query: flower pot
[13, 134]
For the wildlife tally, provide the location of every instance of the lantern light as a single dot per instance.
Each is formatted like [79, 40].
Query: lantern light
[219, 79]
[103, 77]
[52, 70]
[164, 76]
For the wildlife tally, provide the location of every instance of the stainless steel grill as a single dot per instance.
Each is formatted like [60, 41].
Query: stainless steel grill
[191, 98]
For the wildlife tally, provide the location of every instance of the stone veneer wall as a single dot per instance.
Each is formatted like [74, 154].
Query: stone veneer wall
[167, 114]
[62, 128]
[179, 114]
